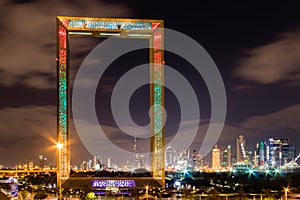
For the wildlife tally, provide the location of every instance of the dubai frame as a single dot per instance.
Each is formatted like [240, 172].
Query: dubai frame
[107, 27]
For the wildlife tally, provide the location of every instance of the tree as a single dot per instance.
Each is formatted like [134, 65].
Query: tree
[90, 196]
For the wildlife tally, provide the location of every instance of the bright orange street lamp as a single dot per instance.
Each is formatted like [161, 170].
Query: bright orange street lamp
[286, 190]
[59, 147]
[147, 187]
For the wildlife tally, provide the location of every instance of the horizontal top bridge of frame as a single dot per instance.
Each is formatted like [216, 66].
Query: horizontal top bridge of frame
[109, 24]
[121, 34]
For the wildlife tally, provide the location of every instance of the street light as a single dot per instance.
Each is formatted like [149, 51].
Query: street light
[147, 187]
[59, 146]
[286, 190]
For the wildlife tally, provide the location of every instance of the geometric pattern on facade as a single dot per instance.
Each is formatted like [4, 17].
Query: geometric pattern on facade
[93, 27]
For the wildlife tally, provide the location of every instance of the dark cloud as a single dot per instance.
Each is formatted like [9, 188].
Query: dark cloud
[26, 131]
[277, 61]
[28, 42]
[28, 74]
[287, 118]
[22, 1]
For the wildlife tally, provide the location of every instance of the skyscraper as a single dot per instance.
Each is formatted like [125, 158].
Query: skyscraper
[42, 161]
[229, 158]
[168, 156]
[279, 152]
[141, 161]
[216, 158]
[226, 157]
[197, 160]
[241, 149]
[261, 153]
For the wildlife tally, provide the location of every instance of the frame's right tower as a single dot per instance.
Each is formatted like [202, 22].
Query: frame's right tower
[157, 103]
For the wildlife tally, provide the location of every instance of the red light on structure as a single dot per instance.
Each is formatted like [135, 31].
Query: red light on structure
[155, 25]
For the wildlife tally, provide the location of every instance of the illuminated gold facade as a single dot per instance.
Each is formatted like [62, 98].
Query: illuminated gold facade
[106, 27]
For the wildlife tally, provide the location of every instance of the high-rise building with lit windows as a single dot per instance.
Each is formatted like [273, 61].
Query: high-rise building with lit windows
[42, 161]
[197, 160]
[279, 152]
[168, 156]
[261, 153]
[216, 158]
[226, 157]
[241, 149]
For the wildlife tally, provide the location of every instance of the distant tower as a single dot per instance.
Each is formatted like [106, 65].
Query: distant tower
[226, 157]
[229, 156]
[278, 152]
[195, 159]
[135, 155]
[108, 162]
[261, 153]
[95, 162]
[241, 150]
[169, 157]
[201, 161]
[256, 158]
[216, 158]
[134, 148]
[43, 161]
[141, 161]
[30, 165]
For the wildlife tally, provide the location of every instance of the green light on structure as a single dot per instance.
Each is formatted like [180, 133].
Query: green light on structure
[277, 171]
[251, 171]
[267, 171]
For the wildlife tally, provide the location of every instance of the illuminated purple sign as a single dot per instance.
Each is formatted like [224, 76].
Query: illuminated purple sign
[113, 183]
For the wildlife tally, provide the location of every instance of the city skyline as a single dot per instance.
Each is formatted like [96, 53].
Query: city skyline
[268, 153]
[257, 56]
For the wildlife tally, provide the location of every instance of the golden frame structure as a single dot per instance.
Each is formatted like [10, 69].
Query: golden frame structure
[107, 27]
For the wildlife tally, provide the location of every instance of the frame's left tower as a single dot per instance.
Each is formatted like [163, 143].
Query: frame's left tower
[63, 157]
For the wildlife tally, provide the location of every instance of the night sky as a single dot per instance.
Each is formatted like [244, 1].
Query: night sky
[256, 47]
